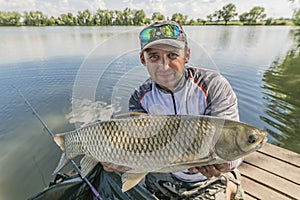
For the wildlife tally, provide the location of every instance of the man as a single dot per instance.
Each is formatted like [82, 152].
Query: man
[175, 88]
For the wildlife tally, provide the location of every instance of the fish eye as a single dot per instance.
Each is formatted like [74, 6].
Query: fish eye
[252, 138]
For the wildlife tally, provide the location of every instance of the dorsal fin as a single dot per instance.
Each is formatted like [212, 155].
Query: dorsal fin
[129, 115]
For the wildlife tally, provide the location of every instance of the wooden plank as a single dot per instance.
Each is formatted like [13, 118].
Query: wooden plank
[282, 154]
[260, 191]
[270, 180]
[274, 166]
[248, 197]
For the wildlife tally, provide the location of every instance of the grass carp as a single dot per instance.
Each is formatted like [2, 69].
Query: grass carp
[158, 143]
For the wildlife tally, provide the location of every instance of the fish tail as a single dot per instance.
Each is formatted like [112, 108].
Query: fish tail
[60, 141]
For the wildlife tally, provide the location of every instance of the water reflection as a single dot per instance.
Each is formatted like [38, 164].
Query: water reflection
[282, 99]
[20, 44]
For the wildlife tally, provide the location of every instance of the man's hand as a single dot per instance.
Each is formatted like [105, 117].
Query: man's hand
[211, 170]
[110, 167]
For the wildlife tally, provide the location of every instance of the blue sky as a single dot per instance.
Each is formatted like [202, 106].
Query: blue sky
[193, 8]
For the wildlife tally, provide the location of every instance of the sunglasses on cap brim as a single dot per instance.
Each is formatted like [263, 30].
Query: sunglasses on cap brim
[170, 31]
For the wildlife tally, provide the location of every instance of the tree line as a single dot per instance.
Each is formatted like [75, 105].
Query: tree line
[132, 17]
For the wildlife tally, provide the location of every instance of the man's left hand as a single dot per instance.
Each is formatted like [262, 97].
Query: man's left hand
[211, 170]
[110, 167]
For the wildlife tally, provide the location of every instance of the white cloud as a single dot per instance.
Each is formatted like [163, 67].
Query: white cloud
[192, 8]
[15, 5]
[295, 5]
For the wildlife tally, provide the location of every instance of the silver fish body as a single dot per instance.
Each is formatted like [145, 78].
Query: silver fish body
[158, 143]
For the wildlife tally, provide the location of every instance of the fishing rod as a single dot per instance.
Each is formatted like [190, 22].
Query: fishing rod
[34, 112]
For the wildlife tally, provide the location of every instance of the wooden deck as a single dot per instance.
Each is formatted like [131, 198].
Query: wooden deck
[271, 173]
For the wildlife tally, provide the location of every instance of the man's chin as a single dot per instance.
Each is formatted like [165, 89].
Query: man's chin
[166, 86]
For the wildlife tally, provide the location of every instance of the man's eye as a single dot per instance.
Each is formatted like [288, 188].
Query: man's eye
[153, 57]
[173, 55]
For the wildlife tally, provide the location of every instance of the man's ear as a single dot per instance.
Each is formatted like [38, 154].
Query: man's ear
[142, 58]
[187, 55]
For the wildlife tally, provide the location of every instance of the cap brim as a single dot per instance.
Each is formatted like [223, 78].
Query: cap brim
[165, 44]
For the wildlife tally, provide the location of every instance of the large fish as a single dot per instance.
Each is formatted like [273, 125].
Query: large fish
[158, 143]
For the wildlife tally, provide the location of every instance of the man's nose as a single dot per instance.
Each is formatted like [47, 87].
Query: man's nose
[165, 60]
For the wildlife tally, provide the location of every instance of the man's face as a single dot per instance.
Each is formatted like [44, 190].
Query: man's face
[165, 67]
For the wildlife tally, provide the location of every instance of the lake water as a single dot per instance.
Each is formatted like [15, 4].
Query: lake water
[53, 65]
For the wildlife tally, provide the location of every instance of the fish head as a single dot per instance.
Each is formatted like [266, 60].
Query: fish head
[238, 139]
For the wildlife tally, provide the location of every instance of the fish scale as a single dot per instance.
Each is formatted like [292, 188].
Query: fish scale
[159, 143]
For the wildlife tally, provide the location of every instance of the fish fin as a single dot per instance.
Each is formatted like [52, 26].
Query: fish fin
[87, 164]
[129, 115]
[60, 140]
[62, 162]
[129, 180]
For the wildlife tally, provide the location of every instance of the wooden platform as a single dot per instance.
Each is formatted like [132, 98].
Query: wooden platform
[271, 173]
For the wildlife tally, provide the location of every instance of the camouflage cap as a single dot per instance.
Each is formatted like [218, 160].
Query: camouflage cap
[161, 33]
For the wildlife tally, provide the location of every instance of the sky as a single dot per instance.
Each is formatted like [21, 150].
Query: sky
[192, 8]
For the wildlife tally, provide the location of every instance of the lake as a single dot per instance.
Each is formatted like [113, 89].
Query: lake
[67, 72]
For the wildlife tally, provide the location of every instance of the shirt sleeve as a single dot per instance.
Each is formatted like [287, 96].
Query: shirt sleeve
[222, 103]
[135, 104]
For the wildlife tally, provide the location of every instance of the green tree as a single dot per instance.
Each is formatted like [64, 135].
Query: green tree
[59, 21]
[119, 18]
[201, 21]
[68, 19]
[99, 17]
[228, 12]
[244, 17]
[128, 16]
[51, 21]
[10, 18]
[257, 14]
[148, 21]
[296, 17]
[35, 18]
[217, 15]
[85, 18]
[209, 17]
[157, 16]
[139, 17]
[269, 21]
[108, 17]
[178, 17]
[88, 17]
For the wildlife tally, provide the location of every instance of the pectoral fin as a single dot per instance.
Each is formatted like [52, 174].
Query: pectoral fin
[129, 180]
[62, 162]
[87, 164]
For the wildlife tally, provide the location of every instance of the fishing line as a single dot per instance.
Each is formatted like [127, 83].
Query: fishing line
[34, 112]
[40, 171]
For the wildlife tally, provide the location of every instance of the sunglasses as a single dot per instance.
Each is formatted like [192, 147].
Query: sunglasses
[165, 31]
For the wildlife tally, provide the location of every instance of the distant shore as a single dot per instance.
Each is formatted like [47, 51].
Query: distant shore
[227, 15]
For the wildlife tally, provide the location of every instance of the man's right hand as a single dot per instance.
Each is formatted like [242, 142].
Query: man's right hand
[110, 167]
[211, 170]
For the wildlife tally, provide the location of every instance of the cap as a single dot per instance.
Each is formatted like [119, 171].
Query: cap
[163, 34]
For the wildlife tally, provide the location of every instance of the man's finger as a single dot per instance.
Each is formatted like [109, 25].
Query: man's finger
[222, 167]
[108, 169]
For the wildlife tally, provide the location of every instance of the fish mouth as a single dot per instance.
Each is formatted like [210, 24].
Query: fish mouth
[262, 142]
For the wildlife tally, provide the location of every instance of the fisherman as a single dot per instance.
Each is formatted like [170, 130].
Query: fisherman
[174, 87]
